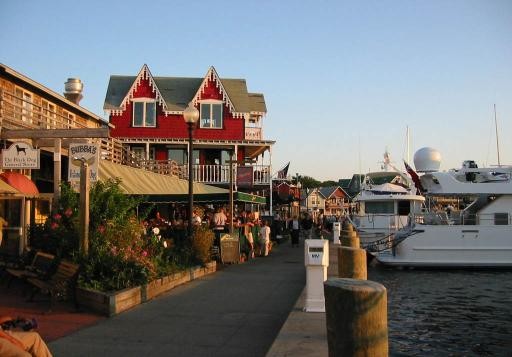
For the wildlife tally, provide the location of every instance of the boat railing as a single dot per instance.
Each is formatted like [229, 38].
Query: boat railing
[463, 218]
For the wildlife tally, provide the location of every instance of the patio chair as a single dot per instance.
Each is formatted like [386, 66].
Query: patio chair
[40, 267]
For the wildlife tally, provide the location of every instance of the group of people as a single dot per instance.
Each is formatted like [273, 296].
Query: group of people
[246, 222]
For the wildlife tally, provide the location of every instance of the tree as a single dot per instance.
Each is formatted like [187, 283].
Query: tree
[329, 183]
[309, 182]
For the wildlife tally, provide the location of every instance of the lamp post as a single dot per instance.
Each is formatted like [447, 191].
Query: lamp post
[190, 115]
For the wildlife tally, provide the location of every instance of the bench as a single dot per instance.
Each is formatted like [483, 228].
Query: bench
[39, 268]
[59, 285]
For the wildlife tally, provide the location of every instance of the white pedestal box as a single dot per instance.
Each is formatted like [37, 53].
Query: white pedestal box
[316, 260]
[336, 232]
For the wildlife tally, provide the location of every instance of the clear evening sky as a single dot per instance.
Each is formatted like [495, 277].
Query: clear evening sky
[342, 79]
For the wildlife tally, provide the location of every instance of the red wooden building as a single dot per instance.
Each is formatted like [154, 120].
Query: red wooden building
[147, 113]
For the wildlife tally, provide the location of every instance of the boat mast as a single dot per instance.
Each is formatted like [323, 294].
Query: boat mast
[497, 141]
[408, 148]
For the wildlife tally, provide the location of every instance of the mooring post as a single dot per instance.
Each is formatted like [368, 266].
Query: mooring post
[351, 258]
[356, 318]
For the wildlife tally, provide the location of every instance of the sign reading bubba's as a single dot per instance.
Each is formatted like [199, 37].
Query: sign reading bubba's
[20, 155]
[83, 154]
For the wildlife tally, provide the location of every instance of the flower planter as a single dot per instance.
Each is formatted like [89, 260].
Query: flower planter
[109, 303]
[113, 303]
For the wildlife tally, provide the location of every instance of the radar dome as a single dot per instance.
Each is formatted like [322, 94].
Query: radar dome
[427, 160]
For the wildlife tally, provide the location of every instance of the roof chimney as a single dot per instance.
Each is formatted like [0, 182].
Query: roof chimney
[73, 90]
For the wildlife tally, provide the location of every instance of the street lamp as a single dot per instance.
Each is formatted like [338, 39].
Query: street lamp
[299, 186]
[190, 115]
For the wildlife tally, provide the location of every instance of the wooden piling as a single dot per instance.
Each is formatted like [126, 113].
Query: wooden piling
[352, 263]
[356, 318]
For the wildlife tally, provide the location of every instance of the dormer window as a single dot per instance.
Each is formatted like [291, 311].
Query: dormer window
[144, 112]
[211, 114]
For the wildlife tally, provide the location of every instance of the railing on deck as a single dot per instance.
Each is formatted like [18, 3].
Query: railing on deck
[219, 174]
[467, 219]
[19, 113]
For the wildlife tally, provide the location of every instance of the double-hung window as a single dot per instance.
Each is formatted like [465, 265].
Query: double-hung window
[144, 112]
[48, 114]
[211, 114]
[23, 103]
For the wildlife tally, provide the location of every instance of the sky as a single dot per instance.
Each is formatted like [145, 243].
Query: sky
[343, 80]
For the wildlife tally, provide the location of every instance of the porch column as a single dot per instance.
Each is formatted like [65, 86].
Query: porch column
[236, 167]
[270, 173]
[57, 144]
[147, 151]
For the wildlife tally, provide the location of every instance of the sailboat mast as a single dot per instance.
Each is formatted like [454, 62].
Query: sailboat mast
[497, 141]
[408, 148]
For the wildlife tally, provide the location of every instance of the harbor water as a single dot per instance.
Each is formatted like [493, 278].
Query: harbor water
[447, 312]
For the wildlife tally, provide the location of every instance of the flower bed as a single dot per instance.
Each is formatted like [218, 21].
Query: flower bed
[113, 303]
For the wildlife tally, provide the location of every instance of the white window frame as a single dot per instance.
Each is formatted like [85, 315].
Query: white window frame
[145, 101]
[211, 102]
[49, 113]
[69, 119]
[26, 106]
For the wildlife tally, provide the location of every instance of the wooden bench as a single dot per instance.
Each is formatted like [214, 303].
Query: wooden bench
[59, 285]
[39, 268]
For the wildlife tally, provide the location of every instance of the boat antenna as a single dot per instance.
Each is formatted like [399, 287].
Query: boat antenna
[408, 143]
[497, 141]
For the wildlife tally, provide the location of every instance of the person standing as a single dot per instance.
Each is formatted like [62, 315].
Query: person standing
[295, 231]
[219, 222]
[264, 239]
[307, 225]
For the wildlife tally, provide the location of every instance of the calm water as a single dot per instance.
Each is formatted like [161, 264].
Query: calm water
[448, 312]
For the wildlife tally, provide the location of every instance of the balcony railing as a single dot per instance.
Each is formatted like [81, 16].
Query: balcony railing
[219, 174]
[20, 113]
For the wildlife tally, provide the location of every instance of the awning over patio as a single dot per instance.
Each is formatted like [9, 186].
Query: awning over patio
[142, 182]
[210, 198]
[14, 182]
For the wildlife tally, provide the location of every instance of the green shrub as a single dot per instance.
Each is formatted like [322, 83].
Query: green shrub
[202, 242]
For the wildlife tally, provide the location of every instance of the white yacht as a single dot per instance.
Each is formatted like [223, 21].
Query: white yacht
[468, 221]
[385, 204]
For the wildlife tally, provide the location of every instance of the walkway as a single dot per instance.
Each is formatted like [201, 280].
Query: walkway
[236, 312]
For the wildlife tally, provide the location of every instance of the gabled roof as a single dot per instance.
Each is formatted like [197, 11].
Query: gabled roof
[175, 93]
[328, 191]
[344, 183]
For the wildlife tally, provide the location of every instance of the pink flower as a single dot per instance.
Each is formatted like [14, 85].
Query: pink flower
[54, 225]
[68, 212]
[57, 216]
[144, 253]
[101, 229]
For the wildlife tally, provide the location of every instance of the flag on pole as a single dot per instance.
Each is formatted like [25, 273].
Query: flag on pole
[283, 173]
[415, 178]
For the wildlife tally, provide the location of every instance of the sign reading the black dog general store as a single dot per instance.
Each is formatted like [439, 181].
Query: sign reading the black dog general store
[20, 156]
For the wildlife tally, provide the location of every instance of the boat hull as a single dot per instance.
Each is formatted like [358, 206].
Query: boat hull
[452, 246]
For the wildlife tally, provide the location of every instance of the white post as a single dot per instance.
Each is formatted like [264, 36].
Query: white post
[316, 259]
[271, 187]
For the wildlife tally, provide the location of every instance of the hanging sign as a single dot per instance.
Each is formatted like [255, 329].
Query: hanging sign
[244, 176]
[79, 153]
[20, 156]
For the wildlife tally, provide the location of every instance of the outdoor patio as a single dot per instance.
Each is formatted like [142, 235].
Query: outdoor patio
[63, 320]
